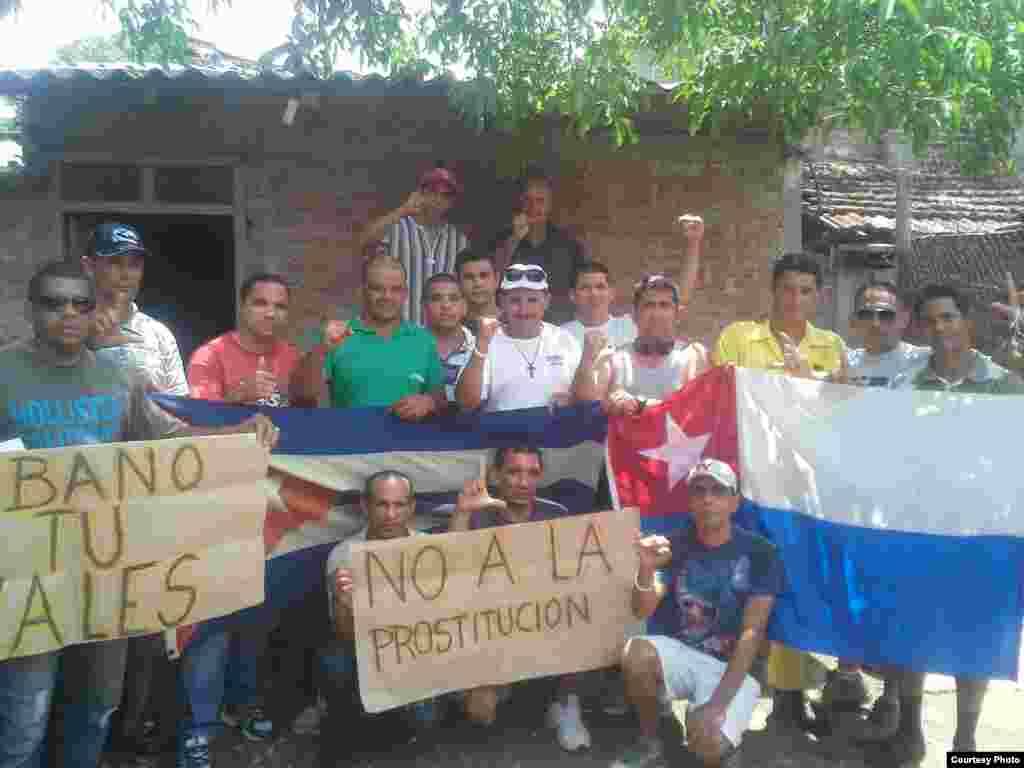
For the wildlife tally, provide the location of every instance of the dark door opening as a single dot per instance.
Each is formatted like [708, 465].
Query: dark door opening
[189, 283]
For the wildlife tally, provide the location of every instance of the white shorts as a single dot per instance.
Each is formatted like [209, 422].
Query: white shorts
[692, 675]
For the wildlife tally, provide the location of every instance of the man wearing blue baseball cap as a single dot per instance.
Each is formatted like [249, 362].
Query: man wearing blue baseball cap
[133, 341]
[123, 334]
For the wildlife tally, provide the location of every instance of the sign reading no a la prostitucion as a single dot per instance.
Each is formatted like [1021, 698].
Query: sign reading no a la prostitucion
[109, 541]
[456, 611]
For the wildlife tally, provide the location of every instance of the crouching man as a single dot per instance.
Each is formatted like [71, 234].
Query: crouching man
[721, 582]
[389, 502]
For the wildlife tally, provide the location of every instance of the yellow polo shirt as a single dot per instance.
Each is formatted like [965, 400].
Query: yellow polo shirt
[751, 344]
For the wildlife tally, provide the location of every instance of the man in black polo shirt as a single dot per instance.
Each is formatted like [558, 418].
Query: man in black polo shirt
[533, 239]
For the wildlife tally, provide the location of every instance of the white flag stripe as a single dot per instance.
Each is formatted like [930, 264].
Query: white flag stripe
[923, 462]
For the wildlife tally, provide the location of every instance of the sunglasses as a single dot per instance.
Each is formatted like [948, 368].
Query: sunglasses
[81, 304]
[535, 275]
[885, 315]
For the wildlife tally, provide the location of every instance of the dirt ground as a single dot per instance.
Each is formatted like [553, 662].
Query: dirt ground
[526, 742]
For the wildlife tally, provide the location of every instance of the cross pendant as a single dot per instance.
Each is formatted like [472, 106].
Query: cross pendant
[531, 369]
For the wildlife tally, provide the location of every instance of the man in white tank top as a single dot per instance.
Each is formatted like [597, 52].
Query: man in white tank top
[652, 367]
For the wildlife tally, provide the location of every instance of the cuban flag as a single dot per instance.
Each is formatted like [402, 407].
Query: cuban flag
[324, 456]
[899, 516]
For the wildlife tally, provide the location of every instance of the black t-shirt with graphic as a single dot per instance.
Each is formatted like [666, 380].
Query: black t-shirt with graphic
[708, 589]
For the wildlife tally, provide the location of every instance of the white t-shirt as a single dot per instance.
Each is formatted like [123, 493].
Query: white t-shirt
[619, 330]
[891, 369]
[506, 382]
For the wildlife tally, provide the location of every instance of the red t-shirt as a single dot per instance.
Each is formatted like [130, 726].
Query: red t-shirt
[218, 366]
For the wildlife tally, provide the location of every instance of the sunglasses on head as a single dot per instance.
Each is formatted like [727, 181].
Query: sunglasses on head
[81, 304]
[535, 275]
[886, 315]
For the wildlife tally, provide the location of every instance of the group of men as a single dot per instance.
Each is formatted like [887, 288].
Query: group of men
[485, 343]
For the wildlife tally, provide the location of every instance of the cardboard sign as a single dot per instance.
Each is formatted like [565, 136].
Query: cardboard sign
[461, 610]
[108, 541]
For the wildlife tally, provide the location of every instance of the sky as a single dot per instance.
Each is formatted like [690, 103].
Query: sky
[30, 38]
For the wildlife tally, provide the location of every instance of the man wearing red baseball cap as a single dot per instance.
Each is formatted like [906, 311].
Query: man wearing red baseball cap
[420, 236]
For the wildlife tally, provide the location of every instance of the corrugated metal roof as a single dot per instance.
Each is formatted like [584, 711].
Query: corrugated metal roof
[19, 81]
[856, 200]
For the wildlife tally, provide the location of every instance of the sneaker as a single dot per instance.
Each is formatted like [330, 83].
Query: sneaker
[645, 752]
[252, 721]
[567, 720]
[307, 722]
[882, 721]
[194, 752]
[844, 691]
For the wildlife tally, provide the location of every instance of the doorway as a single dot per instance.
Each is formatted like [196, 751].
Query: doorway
[189, 283]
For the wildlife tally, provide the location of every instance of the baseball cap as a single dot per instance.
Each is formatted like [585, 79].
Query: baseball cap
[113, 239]
[717, 470]
[528, 276]
[440, 177]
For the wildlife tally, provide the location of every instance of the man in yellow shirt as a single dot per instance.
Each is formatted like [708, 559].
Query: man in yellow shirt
[787, 342]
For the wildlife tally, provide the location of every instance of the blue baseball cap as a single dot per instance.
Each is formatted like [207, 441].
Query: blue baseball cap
[113, 239]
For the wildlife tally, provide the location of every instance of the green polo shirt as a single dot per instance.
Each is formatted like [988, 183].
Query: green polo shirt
[985, 378]
[368, 370]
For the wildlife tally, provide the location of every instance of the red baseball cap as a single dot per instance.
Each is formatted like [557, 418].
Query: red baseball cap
[440, 177]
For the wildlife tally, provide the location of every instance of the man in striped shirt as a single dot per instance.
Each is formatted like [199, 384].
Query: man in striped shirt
[420, 236]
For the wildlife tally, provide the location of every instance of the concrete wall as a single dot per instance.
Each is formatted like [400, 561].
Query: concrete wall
[309, 187]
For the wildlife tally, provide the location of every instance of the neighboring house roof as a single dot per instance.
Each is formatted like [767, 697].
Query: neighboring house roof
[225, 74]
[855, 200]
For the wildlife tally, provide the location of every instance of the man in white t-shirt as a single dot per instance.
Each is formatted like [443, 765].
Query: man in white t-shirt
[524, 362]
[592, 295]
[648, 370]
[880, 318]
[389, 503]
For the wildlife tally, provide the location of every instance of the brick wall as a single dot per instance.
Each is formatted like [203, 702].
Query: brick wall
[308, 189]
[26, 243]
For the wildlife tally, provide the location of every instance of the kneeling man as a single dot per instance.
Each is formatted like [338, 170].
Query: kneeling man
[722, 582]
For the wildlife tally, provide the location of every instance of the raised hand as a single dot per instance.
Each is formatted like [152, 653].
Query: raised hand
[334, 332]
[594, 343]
[793, 359]
[621, 403]
[106, 331]
[475, 496]
[653, 552]
[487, 329]
[343, 584]
[520, 226]
[692, 226]
[1014, 299]
[414, 204]
[252, 389]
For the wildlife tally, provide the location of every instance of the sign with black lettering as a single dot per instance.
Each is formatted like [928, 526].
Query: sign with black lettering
[109, 541]
[461, 610]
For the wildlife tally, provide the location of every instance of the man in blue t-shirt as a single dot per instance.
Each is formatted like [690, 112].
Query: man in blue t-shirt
[721, 582]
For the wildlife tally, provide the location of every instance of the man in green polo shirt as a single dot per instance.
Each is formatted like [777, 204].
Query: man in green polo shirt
[377, 360]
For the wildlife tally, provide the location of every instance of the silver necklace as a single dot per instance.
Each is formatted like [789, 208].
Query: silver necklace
[531, 367]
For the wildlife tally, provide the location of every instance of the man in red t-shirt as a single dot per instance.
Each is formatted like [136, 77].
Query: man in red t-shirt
[252, 366]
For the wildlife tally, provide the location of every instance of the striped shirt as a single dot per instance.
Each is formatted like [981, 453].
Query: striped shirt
[424, 251]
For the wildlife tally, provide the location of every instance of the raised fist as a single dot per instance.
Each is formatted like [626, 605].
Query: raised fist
[520, 226]
[334, 332]
[693, 227]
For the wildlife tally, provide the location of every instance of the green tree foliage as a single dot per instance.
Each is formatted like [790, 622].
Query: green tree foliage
[947, 71]
[95, 49]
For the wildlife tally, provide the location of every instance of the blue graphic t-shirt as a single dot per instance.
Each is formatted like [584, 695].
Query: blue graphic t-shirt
[708, 589]
[90, 402]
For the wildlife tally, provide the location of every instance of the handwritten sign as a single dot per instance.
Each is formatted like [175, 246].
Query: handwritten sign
[108, 541]
[461, 610]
